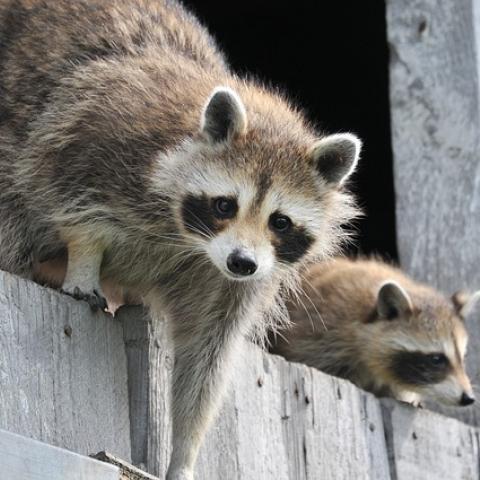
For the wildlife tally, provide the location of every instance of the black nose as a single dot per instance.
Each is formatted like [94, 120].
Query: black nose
[466, 400]
[240, 264]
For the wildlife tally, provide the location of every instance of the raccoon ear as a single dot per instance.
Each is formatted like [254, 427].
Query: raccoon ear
[336, 156]
[393, 301]
[224, 116]
[465, 302]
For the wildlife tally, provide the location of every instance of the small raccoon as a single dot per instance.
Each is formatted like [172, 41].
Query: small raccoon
[368, 322]
[130, 150]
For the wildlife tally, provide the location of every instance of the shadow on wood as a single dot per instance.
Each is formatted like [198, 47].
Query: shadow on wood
[280, 420]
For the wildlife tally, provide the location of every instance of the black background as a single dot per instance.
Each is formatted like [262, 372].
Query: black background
[331, 57]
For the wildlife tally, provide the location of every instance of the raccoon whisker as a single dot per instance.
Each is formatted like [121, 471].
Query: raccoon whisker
[315, 289]
[209, 234]
[298, 300]
[278, 332]
[187, 254]
[185, 242]
[191, 253]
[307, 296]
[199, 232]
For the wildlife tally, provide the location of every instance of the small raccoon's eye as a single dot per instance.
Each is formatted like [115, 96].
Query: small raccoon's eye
[280, 223]
[438, 359]
[225, 207]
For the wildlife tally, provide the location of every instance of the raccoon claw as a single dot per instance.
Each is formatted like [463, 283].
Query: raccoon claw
[94, 299]
[97, 301]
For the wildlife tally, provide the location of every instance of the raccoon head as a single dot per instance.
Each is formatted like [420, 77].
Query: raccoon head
[258, 193]
[423, 345]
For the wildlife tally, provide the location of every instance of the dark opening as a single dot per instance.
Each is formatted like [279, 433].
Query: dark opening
[331, 57]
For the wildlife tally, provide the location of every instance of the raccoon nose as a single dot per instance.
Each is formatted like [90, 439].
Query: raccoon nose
[466, 399]
[241, 264]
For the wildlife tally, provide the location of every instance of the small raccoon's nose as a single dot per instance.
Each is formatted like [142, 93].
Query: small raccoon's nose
[466, 399]
[240, 264]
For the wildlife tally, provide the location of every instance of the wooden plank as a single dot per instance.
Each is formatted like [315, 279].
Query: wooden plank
[25, 459]
[285, 421]
[424, 445]
[280, 420]
[312, 425]
[63, 377]
[434, 90]
[150, 362]
[127, 471]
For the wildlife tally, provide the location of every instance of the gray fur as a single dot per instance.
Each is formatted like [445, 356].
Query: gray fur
[103, 138]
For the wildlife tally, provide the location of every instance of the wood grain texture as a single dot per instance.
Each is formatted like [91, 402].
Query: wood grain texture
[285, 421]
[25, 459]
[279, 420]
[63, 377]
[126, 470]
[424, 445]
[434, 90]
[150, 361]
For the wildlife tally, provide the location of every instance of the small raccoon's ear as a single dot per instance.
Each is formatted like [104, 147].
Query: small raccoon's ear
[393, 301]
[465, 302]
[224, 116]
[336, 156]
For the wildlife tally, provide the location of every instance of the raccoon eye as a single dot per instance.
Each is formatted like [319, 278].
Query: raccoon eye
[225, 207]
[280, 223]
[438, 359]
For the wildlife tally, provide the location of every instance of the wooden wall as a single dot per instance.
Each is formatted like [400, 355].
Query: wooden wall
[103, 384]
[435, 112]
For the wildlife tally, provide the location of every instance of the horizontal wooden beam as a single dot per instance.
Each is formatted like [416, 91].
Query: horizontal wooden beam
[63, 371]
[287, 421]
[281, 421]
[26, 459]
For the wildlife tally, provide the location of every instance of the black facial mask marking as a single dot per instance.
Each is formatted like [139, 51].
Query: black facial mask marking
[199, 215]
[416, 368]
[291, 244]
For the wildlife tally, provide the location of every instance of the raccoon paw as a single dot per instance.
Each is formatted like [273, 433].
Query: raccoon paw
[94, 298]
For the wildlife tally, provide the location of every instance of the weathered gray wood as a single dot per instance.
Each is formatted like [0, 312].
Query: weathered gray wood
[126, 470]
[311, 425]
[150, 361]
[25, 459]
[280, 420]
[434, 87]
[424, 445]
[63, 377]
[285, 421]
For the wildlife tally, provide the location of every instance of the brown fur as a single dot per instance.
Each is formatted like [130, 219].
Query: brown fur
[111, 119]
[337, 328]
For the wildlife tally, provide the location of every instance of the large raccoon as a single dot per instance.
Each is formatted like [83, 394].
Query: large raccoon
[368, 322]
[128, 144]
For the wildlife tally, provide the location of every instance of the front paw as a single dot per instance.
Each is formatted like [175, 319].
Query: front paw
[179, 475]
[94, 298]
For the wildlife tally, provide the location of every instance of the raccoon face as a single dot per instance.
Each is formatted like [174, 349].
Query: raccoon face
[427, 355]
[434, 375]
[255, 206]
